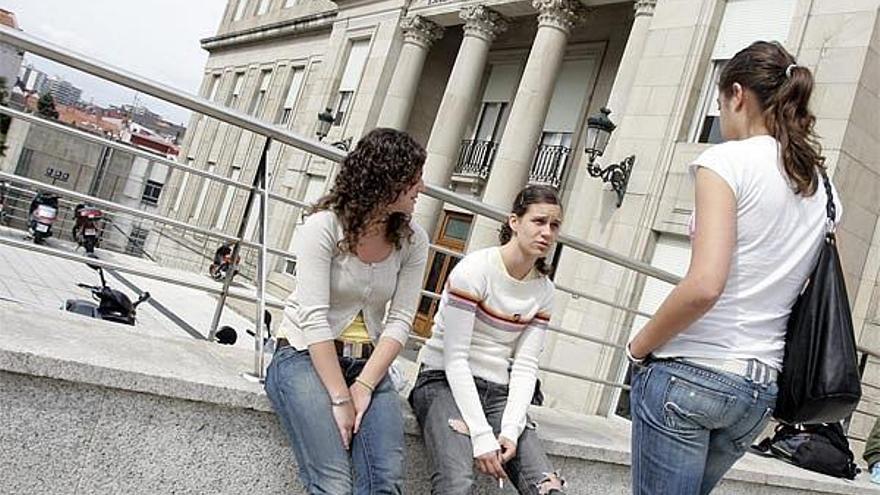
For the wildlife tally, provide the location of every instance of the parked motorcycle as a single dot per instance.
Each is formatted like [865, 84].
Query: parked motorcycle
[42, 214]
[86, 225]
[223, 261]
[112, 305]
[4, 207]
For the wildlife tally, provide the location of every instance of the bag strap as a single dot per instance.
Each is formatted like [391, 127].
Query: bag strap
[830, 207]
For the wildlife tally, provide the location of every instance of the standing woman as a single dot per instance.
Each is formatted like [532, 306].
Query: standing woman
[357, 252]
[470, 403]
[707, 362]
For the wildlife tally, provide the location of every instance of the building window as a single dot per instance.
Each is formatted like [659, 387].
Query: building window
[259, 100]
[290, 266]
[234, 174]
[293, 90]
[232, 99]
[181, 191]
[262, 7]
[203, 192]
[136, 241]
[239, 10]
[710, 126]
[743, 22]
[351, 77]
[213, 86]
[152, 191]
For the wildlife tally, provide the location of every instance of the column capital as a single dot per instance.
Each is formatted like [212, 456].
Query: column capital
[561, 14]
[644, 7]
[421, 31]
[483, 22]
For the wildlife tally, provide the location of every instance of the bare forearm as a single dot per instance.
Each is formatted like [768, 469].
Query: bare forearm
[684, 305]
[380, 360]
[326, 364]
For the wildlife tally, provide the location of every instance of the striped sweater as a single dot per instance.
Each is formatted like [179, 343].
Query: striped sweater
[485, 318]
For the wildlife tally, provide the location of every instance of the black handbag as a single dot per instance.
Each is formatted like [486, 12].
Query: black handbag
[820, 373]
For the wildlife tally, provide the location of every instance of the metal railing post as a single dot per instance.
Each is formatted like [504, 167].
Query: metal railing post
[262, 260]
[259, 177]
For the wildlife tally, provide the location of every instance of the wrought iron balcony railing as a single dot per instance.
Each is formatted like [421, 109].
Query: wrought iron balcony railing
[549, 165]
[475, 158]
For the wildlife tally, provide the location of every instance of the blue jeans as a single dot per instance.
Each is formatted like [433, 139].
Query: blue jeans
[325, 467]
[451, 453]
[690, 425]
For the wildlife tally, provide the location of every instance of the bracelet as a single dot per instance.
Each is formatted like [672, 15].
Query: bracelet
[633, 359]
[365, 384]
[340, 401]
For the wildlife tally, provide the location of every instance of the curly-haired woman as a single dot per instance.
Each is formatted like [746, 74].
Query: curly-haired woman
[357, 252]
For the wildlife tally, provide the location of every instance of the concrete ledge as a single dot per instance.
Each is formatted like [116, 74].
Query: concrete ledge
[92, 407]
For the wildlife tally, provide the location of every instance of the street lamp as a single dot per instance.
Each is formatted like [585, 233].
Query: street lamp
[599, 129]
[325, 120]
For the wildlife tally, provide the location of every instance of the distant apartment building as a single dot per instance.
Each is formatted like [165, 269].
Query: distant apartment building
[62, 91]
[10, 56]
[31, 79]
[500, 93]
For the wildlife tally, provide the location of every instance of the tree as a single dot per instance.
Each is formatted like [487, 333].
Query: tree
[46, 107]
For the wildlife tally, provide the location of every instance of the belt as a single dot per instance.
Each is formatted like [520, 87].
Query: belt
[751, 369]
[343, 349]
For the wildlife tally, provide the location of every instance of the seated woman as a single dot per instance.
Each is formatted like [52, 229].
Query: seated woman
[360, 261]
[470, 403]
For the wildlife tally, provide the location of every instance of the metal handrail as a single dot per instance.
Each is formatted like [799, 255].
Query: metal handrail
[201, 105]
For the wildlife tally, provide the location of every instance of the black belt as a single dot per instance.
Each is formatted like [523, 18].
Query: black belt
[343, 349]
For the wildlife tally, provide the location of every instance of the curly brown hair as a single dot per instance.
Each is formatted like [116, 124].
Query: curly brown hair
[384, 164]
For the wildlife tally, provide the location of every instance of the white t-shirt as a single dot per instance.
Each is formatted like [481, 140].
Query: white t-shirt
[777, 244]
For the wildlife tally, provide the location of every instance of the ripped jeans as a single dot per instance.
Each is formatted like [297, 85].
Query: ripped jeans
[690, 424]
[450, 452]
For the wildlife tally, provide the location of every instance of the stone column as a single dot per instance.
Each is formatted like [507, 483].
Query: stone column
[418, 36]
[481, 26]
[510, 171]
[629, 62]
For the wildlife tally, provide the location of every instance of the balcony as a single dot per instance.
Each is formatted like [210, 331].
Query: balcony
[549, 165]
[475, 159]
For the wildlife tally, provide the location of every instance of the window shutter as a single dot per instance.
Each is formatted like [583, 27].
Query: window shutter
[672, 254]
[747, 21]
[357, 59]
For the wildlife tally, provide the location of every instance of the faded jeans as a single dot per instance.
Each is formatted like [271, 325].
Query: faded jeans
[451, 453]
[690, 424]
[325, 467]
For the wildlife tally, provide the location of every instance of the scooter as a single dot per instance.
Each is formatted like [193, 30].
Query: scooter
[42, 214]
[4, 208]
[222, 262]
[85, 228]
[112, 305]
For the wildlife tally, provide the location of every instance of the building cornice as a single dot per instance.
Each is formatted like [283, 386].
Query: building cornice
[322, 21]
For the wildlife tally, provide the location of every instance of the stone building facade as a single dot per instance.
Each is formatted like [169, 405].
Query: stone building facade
[499, 92]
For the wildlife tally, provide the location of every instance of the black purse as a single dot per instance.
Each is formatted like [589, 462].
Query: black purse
[820, 373]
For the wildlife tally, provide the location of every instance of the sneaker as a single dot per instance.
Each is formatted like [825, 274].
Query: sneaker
[875, 473]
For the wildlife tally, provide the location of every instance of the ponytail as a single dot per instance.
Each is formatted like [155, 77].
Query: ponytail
[783, 89]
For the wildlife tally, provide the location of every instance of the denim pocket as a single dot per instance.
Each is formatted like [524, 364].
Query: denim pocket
[746, 439]
[690, 406]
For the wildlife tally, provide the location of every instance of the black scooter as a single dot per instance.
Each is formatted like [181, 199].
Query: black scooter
[112, 305]
[41, 215]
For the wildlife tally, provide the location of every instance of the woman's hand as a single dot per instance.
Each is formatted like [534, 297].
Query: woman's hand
[490, 463]
[508, 449]
[344, 416]
[361, 396]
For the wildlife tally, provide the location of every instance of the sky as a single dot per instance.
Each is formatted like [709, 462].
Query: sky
[158, 39]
